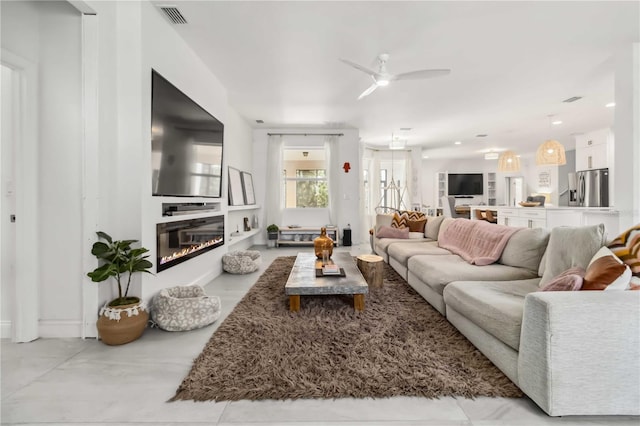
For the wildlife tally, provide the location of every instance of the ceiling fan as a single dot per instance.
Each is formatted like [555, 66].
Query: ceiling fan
[383, 78]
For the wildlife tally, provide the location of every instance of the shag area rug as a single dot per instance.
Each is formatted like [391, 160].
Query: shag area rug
[399, 345]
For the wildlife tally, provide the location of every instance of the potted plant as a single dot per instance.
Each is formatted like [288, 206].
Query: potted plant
[272, 234]
[123, 319]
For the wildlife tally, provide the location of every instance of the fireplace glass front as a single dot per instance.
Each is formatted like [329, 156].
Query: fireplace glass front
[185, 239]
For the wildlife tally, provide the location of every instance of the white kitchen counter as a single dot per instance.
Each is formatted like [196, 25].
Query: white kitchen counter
[552, 216]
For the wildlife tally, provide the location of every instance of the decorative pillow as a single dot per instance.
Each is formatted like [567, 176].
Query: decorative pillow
[390, 232]
[417, 225]
[415, 235]
[627, 247]
[401, 219]
[606, 272]
[569, 280]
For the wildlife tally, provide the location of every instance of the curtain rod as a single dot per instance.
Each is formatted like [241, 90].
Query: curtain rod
[305, 134]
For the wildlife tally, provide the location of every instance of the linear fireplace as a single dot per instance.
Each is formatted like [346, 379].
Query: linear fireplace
[182, 240]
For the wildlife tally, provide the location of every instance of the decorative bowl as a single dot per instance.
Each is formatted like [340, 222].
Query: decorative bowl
[529, 203]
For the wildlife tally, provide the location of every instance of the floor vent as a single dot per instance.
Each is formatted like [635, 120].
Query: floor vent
[173, 14]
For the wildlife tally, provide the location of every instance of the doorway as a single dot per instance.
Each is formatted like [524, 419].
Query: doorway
[515, 190]
[7, 203]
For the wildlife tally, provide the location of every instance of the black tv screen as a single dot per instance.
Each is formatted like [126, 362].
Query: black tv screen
[465, 184]
[186, 144]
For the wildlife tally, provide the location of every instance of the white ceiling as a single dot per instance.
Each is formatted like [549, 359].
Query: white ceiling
[512, 64]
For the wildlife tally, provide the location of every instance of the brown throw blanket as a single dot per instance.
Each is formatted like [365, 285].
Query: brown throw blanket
[477, 242]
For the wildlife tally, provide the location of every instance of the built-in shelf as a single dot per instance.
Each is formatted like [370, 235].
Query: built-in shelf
[238, 208]
[235, 239]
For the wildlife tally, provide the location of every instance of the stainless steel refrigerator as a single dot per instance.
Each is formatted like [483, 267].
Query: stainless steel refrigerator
[593, 188]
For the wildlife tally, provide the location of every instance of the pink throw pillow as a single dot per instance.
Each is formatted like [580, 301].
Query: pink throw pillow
[569, 280]
[389, 232]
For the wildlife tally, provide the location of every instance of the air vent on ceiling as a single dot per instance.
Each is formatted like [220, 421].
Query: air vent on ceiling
[481, 135]
[405, 129]
[260, 121]
[173, 14]
[572, 99]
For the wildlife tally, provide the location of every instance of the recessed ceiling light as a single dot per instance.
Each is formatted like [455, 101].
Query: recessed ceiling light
[260, 121]
[457, 143]
[556, 122]
[610, 105]
[425, 156]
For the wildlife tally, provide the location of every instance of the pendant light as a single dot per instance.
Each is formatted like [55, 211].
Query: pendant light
[551, 152]
[508, 162]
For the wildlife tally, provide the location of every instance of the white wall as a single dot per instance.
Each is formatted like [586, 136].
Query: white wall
[49, 34]
[349, 210]
[627, 135]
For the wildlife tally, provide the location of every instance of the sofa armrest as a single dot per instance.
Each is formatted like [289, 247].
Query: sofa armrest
[580, 352]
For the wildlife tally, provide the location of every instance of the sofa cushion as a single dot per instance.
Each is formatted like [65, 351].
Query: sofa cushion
[571, 246]
[437, 271]
[525, 248]
[381, 245]
[401, 252]
[494, 306]
[433, 227]
[383, 220]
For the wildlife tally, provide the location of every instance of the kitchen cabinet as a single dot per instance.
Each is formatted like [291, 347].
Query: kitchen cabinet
[593, 150]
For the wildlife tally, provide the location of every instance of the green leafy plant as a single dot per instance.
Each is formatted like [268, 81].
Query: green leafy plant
[272, 228]
[118, 259]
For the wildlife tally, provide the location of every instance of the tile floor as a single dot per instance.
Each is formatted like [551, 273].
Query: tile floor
[73, 382]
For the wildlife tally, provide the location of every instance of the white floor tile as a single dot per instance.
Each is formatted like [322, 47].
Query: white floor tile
[344, 410]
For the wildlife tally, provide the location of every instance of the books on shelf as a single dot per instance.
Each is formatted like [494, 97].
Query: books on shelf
[331, 270]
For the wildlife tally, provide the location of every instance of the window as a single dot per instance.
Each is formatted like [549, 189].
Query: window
[305, 178]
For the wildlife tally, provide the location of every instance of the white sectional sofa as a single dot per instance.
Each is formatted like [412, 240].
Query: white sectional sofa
[572, 352]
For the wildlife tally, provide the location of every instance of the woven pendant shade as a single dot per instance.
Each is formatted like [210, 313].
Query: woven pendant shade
[551, 153]
[508, 162]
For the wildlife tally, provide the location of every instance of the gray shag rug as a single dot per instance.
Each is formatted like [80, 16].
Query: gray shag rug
[399, 345]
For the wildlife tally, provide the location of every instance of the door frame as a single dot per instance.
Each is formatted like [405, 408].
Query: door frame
[24, 322]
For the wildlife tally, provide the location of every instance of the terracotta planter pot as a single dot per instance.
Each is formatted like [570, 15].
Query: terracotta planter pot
[122, 324]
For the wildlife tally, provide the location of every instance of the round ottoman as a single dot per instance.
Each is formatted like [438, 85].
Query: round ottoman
[241, 261]
[184, 308]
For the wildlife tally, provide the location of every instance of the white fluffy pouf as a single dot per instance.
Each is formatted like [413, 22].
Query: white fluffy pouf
[183, 308]
[241, 261]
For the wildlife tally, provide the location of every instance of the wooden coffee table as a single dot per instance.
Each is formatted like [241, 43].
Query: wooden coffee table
[303, 281]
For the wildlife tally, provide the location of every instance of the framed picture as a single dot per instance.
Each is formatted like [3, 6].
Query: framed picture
[236, 197]
[247, 187]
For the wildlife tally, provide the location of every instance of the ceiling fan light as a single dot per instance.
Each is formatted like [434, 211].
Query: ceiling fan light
[382, 82]
[551, 153]
[508, 162]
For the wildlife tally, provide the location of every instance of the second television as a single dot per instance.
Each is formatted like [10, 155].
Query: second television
[465, 184]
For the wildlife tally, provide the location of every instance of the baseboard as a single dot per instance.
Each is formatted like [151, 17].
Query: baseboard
[60, 328]
[5, 329]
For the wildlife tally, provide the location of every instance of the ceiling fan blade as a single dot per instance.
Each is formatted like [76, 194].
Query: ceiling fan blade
[367, 92]
[414, 75]
[360, 67]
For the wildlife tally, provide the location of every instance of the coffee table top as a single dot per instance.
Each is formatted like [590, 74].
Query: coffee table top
[302, 279]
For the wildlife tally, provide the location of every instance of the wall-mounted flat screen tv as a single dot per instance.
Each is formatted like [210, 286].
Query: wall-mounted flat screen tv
[465, 184]
[186, 144]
